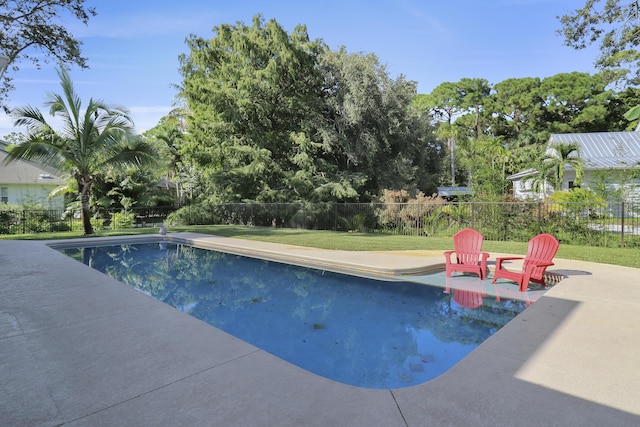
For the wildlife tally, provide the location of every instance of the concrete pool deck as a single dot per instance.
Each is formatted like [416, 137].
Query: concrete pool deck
[79, 348]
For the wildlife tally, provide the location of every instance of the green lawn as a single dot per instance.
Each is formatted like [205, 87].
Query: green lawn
[363, 241]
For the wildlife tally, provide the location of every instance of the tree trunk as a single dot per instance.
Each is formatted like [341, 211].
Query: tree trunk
[86, 209]
[452, 143]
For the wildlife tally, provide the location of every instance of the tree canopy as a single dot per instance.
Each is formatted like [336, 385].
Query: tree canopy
[279, 117]
[27, 25]
[615, 25]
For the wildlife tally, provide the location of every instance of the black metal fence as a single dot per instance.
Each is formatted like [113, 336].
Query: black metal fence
[610, 225]
[33, 221]
[28, 221]
[607, 224]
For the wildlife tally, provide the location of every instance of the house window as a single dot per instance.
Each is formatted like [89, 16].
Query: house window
[4, 195]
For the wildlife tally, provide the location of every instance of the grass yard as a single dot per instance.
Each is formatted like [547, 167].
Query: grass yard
[361, 241]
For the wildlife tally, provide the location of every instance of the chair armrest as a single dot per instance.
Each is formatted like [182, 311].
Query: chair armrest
[499, 260]
[447, 256]
[509, 258]
[533, 265]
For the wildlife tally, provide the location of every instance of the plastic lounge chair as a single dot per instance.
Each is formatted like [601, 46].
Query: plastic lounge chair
[540, 252]
[469, 257]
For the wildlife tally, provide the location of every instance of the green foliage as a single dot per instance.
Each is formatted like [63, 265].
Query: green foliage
[277, 117]
[31, 217]
[123, 219]
[250, 91]
[516, 106]
[434, 222]
[575, 102]
[190, 215]
[402, 212]
[33, 24]
[616, 184]
[99, 224]
[558, 156]
[578, 195]
[614, 24]
[94, 141]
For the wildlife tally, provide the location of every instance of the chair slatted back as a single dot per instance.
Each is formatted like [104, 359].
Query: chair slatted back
[541, 250]
[467, 244]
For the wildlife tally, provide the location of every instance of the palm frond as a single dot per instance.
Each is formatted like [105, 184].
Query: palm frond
[44, 151]
[29, 117]
[128, 151]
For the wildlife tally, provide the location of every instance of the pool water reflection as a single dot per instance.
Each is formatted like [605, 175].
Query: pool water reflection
[362, 332]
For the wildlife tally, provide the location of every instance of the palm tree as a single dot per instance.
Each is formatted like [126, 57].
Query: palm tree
[498, 151]
[91, 142]
[558, 156]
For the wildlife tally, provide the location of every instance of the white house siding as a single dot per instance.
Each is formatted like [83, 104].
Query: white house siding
[523, 186]
[631, 189]
[19, 194]
[23, 181]
[601, 151]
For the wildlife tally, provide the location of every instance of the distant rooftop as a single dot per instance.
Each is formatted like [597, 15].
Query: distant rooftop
[453, 191]
[602, 150]
[26, 171]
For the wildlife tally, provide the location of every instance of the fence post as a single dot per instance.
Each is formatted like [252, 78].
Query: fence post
[419, 219]
[622, 224]
[473, 214]
[539, 217]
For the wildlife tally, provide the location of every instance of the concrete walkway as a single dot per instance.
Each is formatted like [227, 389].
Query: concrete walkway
[78, 348]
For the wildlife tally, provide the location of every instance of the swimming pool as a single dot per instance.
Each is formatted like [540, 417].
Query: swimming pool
[362, 332]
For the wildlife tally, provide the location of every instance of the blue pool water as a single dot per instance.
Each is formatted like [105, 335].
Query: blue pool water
[362, 332]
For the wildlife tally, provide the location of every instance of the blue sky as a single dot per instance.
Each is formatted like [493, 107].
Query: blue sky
[133, 46]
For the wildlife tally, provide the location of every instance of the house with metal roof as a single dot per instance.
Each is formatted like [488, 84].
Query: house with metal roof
[603, 153]
[24, 181]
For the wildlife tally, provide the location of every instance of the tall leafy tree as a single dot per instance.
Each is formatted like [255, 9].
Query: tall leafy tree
[445, 102]
[474, 95]
[31, 25]
[575, 102]
[516, 106]
[92, 141]
[251, 92]
[615, 26]
[279, 117]
[370, 127]
[168, 138]
[498, 156]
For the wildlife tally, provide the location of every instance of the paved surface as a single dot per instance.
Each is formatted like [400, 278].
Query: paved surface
[78, 348]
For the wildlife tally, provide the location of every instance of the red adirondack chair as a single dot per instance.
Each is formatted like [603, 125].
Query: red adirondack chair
[540, 252]
[469, 257]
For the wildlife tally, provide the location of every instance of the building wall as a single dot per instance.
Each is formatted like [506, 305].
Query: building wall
[523, 189]
[18, 194]
[630, 189]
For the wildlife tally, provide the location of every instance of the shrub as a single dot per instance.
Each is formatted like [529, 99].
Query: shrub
[123, 220]
[192, 215]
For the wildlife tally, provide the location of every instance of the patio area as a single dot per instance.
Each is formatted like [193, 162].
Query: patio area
[79, 348]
